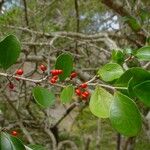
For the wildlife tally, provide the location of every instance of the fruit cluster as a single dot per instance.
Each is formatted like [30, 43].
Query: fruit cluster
[55, 74]
[82, 92]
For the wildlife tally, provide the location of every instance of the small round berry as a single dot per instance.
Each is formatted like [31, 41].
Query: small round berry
[11, 85]
[43, 67]
[19, 72]
[14, 133]
[55, 77]
[60, 71]
[84, 96]
[86, 93]
[52, 81]
[84, 85]
[17, 79]
[78, 92]
[73, 75]
[54, 72]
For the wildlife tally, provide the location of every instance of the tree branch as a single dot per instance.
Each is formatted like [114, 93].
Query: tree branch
[119, 8]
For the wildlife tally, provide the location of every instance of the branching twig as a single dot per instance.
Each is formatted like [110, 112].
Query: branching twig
[68, 110]
[26, 13]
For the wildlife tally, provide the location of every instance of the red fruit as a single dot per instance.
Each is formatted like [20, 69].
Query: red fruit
[43, 67]
[73, 75]
[52, 81]
[56, 72]
[84, 96]
[11, 85]
[19, 72]
[84, 85]
[60, 71]
[78, 92]
[86, 93]
[17, 79]
[53, 72]
[14, 133]
[55, 77]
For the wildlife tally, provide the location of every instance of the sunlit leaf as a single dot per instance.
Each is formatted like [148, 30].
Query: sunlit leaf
[100, 102]
[110, 72]
[67, 94]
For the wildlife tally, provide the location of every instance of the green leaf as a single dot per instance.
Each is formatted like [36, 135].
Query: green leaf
[125, 116]
[142, 91]
[65, 63]
[117, 57]
[9, 51]
[132, 77]
[100, 102]
[67, 94]
[134, 24]
[110, 72]
[138, 74]
[144, 53]
[43, 97]
[8, 142]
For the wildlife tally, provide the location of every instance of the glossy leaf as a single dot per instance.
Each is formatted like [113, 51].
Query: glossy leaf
[137, 73]
[125, 116]
[117, 57]
[144, 53]
[65, 63]
[142, 91]
[110, 72]
[43, 96]
[67, 94]
[100, 102]
[8, 142]
[9, 51]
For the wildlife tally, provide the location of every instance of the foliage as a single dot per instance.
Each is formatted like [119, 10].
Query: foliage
[113, 64]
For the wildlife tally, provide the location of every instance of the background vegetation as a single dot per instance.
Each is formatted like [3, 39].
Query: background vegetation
[90, 30]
